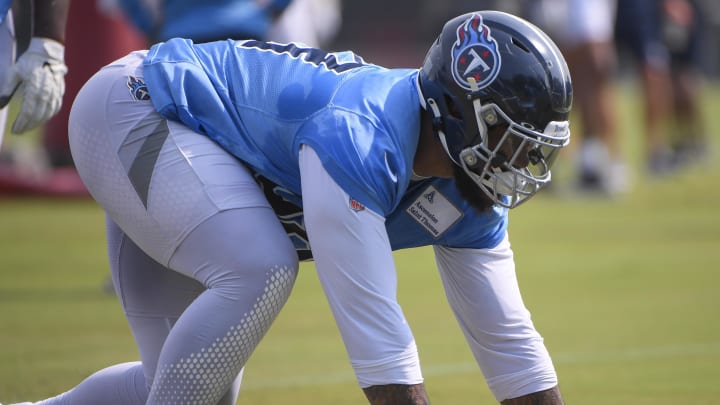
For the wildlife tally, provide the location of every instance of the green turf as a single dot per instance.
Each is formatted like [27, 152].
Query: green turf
[626, 293]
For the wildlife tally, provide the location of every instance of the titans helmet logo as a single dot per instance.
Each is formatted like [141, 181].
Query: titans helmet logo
[475, 54]
[138, 88]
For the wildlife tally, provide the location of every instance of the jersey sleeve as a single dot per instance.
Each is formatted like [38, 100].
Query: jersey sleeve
[482, 289]
[355, 266]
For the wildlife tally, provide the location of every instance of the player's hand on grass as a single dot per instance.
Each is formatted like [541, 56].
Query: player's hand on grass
[38, 77]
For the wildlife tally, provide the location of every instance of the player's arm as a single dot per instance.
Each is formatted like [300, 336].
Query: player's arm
[39, 73]
[393, 394]
[547, 397]
[50, 19]
[415, 394]
[355, 266]
[483, 292]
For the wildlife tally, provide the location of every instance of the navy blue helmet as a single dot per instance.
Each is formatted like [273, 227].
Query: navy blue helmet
[489, 69]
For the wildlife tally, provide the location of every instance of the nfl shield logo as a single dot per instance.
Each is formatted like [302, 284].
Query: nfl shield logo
[355, 205]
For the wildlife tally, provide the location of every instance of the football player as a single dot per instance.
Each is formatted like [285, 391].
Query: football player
[203, 21]
[38, 75]
[639, 30]
[583, 29]
[198, 153]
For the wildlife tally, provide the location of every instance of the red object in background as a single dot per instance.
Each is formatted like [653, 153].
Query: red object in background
[61, 182]
[93, 40]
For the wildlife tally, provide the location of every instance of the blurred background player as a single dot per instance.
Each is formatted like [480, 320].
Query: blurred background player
[663, 43]
[157, 21]
[42, 165]
[684, 30]
[37, 77]
[639, 32]
[203, 21]
[117, 27]
[583, 30]
[311, 22]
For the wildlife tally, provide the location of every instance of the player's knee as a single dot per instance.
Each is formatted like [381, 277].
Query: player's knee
[272, 280]
[278, 285]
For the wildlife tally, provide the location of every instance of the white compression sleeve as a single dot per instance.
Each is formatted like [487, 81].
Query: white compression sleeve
[355, 265]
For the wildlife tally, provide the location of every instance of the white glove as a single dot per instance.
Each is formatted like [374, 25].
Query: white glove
[39, 75]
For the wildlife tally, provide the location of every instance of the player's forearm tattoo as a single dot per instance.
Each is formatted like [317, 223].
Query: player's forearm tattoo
[397, 394]
[547, 397]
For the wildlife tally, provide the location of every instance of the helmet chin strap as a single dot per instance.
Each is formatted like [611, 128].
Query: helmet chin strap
[437, 118]
[477, 106]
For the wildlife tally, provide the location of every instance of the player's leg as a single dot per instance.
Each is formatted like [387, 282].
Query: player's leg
[638, 27]
[685, 35]
[153, 298]
[590, 53]
[248, 271]
[483, 292]
[195, 209]
[119, 384]
[583, 29]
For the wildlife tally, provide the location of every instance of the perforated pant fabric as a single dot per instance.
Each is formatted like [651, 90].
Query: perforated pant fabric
[199, 260]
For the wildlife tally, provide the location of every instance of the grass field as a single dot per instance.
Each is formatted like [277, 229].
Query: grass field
[626, 293]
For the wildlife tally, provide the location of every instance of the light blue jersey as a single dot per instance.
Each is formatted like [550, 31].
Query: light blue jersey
[262, 101]
[4, 7]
